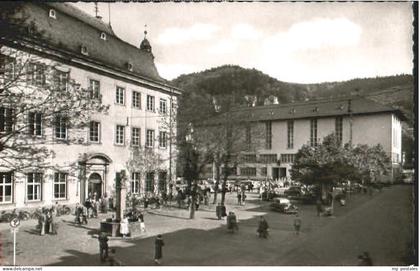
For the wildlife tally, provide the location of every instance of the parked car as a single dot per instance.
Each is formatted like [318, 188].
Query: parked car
[407, 176]
[283, 205]
[271, 195]
[294, 192]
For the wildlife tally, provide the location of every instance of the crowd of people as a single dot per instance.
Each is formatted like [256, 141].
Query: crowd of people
[91, 207]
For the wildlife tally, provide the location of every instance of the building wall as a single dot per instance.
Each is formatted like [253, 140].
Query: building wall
[369, 129]
[66, 156]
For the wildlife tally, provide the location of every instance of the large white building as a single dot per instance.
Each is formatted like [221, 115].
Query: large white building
[87, 50]
[282, 129]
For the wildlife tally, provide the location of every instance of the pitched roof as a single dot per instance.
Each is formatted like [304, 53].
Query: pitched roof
[313, 109]
[73, 29]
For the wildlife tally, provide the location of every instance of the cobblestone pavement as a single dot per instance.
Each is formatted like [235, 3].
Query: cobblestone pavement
[364, 224]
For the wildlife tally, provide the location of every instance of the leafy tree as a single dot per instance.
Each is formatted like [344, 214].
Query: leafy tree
[144, 160]
[330, 163]
[36, 99]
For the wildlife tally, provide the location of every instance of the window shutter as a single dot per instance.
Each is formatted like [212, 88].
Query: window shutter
[30, 122]
[10, 119]
[2, 119]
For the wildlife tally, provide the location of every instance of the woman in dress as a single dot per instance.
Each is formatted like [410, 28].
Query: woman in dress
[124, 226]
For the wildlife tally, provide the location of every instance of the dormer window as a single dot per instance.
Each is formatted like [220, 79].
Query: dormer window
[103, 36]
[316, 109]
[52, 14]
[84, 50]
[341, 107]
[130, 67]
[292, 111]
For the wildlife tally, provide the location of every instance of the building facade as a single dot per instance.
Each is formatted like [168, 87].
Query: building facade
[138, 122]
[287, 127]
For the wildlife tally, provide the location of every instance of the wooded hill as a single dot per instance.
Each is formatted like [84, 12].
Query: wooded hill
[240, 82]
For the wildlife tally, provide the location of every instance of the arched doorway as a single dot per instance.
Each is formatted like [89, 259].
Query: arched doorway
[95, 185]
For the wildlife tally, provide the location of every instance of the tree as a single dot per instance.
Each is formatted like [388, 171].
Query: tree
[144, 160]
[220, 135]
[39, 102]
[330, 163]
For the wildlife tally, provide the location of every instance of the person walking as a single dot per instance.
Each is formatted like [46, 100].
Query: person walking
[297, 224]
[77, 213]
[42, 222]
[54, 223]
[103, 246]
[219, 211]
[48, 225]
[318, 207]
[124, 226]
[262, 228]
[142, 225]
[158, 249]
[206, 199]
[239, 198]
[84, 214]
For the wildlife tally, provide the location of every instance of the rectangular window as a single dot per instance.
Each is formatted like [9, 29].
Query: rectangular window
[35, 123]
[33, 186]
[94, 131]
[119, 135]
[290, 128]
[136, 99]
[162, 139]
[339, 128]
[288, 158]
[263, 171]
[249, 158]
[135, 183]
[8, 68]
[268, 158]
[60, 185]
[248, 137]
[119, 95]
[150, 182]
[150, 103]
[135, 136]
[248, 171]
[162, 181]
[6, 120]
[61, 79]
[268, 135]
[95, 88]
[6, 187]
[36, 74]
[162, 108]
[314, 132]
[150, 138]
[60, 123]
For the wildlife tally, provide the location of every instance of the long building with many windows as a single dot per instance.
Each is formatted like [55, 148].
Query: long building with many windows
[287, 127]
[85, 49]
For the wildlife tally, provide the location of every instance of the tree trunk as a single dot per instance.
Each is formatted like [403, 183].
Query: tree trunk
[225, 176]
[216, 189]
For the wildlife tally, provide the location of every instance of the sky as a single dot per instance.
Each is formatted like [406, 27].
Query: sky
[292, 42]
